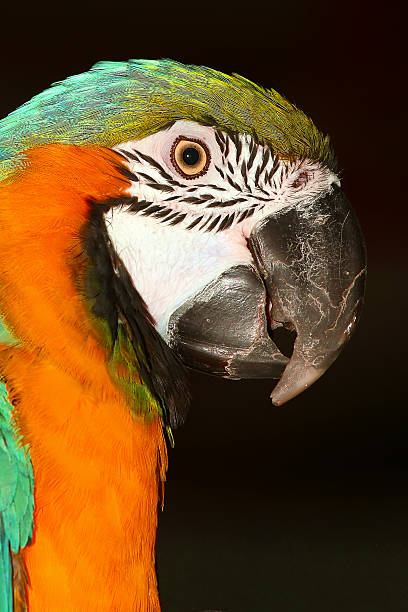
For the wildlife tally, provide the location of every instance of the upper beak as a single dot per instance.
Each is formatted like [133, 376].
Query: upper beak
[313, 262]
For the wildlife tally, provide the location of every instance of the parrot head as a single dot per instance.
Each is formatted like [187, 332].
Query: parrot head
[233, 223]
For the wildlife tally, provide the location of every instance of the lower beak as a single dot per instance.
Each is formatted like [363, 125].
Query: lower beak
[313, 262]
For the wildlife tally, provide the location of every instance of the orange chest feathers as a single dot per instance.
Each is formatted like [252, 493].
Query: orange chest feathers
[97, 468]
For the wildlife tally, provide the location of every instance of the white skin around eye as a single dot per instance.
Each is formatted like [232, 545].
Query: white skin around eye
[159, 146]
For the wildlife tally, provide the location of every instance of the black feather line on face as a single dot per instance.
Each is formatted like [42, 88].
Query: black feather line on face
[138, 205]
[147, 177]
[126, 173]
[244, 174]
[205, 222]
[154, 164]
[257, 175]
[213, 223]
[118, 303]
[159, 187]
[226, 203]
[233, 184]
[244, 171]
[226, 222]
[265, 160]
[220, 141]
[193, 200]
[129, 155]
[274, 168]
[172, 216]
[221, 136]
[220, 172]
[180, 217]
[235, 138]
[239, 150]
[227, 144]
[138, 155]
[195, 222]
[243, 216]
[252, 156]
[230, 221]
[153, 208]
[163, 213]
[217, 187]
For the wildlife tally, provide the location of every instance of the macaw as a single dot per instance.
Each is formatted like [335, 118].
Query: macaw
[152, 216]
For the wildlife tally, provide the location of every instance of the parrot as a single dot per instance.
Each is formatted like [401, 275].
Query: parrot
[155, 217]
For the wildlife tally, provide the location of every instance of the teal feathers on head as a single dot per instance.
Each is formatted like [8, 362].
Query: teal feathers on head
[118, 101]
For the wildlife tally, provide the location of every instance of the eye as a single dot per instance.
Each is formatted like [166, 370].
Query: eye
[190, 157]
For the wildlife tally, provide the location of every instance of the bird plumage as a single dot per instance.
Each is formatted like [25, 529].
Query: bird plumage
[118, 101]
[96, 463]
[89, 383]
[16, 497]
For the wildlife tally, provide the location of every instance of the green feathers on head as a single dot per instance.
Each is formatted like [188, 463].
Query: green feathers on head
[118, 101]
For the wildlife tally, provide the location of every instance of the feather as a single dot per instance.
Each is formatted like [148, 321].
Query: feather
[20, 583]
[16, 499]
[118, 101]
[99, 464]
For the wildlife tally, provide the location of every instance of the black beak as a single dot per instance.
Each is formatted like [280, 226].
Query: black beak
[313, 262]
[310, 264]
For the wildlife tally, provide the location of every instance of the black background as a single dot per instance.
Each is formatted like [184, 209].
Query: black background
[302, 507]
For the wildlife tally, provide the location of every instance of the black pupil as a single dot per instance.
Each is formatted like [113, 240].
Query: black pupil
[191, 156]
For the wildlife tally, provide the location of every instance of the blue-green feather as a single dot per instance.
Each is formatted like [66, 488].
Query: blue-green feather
[16, 498]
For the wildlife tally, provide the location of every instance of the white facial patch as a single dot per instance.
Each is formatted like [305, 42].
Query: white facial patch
[176, 233]
[169, 264]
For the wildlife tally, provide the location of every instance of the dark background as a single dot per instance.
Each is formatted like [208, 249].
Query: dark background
[303, 507]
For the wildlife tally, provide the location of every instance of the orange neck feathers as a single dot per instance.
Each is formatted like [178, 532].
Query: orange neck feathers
[97, 469]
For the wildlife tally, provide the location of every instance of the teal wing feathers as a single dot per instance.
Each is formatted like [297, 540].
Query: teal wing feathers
[16, 499]
[6, 337]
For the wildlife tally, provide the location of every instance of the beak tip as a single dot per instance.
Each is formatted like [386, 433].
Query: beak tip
[276, 402]
[294, 381]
